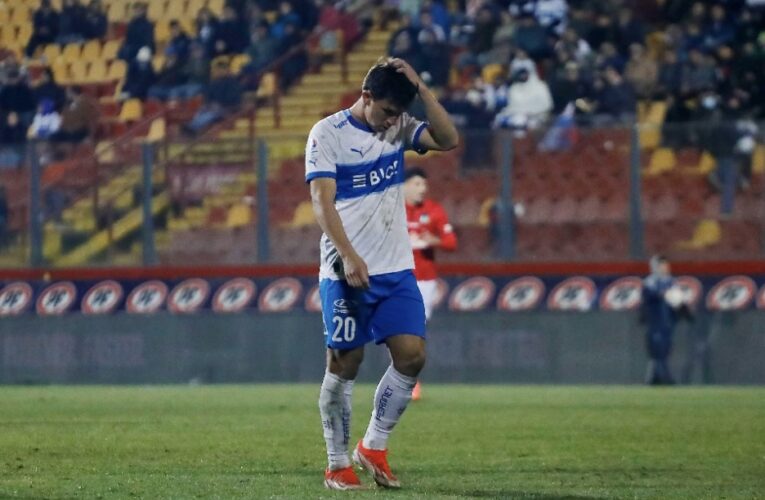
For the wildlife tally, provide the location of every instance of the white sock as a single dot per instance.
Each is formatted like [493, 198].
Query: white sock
[335, 409]
[391, 398]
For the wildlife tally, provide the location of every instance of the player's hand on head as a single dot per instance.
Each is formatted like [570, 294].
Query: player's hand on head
[356, 272]
[405, 68]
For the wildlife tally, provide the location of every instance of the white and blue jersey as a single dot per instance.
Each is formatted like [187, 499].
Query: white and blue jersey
[368, 168]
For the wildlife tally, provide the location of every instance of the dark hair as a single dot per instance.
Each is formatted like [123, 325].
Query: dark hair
[415, 172]
[384, 81]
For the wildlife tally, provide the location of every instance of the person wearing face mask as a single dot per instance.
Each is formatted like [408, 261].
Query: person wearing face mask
[663, 304]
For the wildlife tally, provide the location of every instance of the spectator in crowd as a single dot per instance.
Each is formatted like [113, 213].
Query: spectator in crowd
[207, 30]
[629, 31]
[333, 17]
[550, 14]
[601, 31]
[170, 80]
[426, 24]
[568, 88]
[699, 73]
[71, 26]
[641, 72]
[574, 46]
[13, 136]
[232, 36]
[296, 64]
[615, 99]
[670, 78]
[179, 42]
[405, 26]
[287, 15]
[47, 88]
[79, 118]
[404, 46]
[482, 38]
[17, 96]
[720, 30]
[521, 60]
[528, 103]
[223, 96]
[608, 56]
[263, 49]
[139, 33]
[532, 38]
[197, 73]
[46, 122]
[502, 45]
[140, 75]
[435, 60]
[96, 22]
[44, 27]
[439, 14]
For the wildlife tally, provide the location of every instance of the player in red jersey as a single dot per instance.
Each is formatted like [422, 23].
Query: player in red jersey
[429, 229]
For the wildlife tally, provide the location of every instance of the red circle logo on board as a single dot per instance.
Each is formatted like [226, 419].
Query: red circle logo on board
[731, 294]
[573, 294]
[280, 296]
[313, 300]
[147, 297]
[15, 298]
[473, 294]
[102, 298]
[234, 295]
[521, 294]
[691, 288]
[624, 294]
[57, 298]
[188, 296]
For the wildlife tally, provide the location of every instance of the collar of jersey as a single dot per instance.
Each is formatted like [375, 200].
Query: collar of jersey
[353, 121]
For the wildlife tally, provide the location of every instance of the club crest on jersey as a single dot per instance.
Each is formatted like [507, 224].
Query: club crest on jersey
[623, 294]
[15, 298]
[57, 298]
[234, 295]
[731, 294]
[102, 298]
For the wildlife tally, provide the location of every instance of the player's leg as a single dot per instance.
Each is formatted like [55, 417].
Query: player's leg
[399, 322]
[428, 290]
[346, 333]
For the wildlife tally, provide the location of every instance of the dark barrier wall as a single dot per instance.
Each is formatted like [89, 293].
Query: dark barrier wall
[532, 347]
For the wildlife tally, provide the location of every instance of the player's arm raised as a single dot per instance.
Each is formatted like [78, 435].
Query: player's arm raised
[323, 191]
[441, 134]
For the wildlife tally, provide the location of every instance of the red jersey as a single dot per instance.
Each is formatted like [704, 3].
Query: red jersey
[428, 217]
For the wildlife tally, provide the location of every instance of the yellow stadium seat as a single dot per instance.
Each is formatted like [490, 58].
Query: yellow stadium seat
[491, 71]
[662, 160]
[706, 234]
[5, 15]
[238, 62]
[71, 52]
[51, 52]
[240, 214]
[23, 34]
[60, 71]
[117, 11]
[175, 10]
[21, 14]
[8, 35]
[156, 130]
[78, 71]
[117, 69]
[98, 71]
[484, 214]
[156, 9]
[706, 164]
[91, 51]
[758, 159]
[267, 86]
[216, 6]
[303, 215]
[161, 31]
[132, 110]
[157, 62]
[110, 50]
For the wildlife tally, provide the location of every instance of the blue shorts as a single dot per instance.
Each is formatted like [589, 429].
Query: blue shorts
[392, 305]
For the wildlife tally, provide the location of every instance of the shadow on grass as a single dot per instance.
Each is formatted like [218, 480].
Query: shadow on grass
[507, 493]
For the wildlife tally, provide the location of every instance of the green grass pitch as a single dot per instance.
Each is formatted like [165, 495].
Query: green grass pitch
[458, 442]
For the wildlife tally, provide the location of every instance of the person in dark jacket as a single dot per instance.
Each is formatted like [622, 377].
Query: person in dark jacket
[13, 136]
[233, 35]
[47, 88]
[179, 42]
[71, 27]
[139, 33]
[17, 96]
[171, 77]
[45, 27]
[207, 30]
[223, 95]
[140, 75]
[662, 306]
[96, 22]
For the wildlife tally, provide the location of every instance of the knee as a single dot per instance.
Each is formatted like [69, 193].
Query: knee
[345, 365]
[411, 362]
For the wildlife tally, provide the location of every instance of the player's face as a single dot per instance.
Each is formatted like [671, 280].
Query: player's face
[381, 114]
[415, 189]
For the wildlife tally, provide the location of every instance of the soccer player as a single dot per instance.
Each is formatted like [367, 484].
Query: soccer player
[355, 167]
[429, 229]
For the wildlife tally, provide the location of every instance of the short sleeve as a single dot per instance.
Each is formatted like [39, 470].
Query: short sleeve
[320, 155]
[413, 129]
